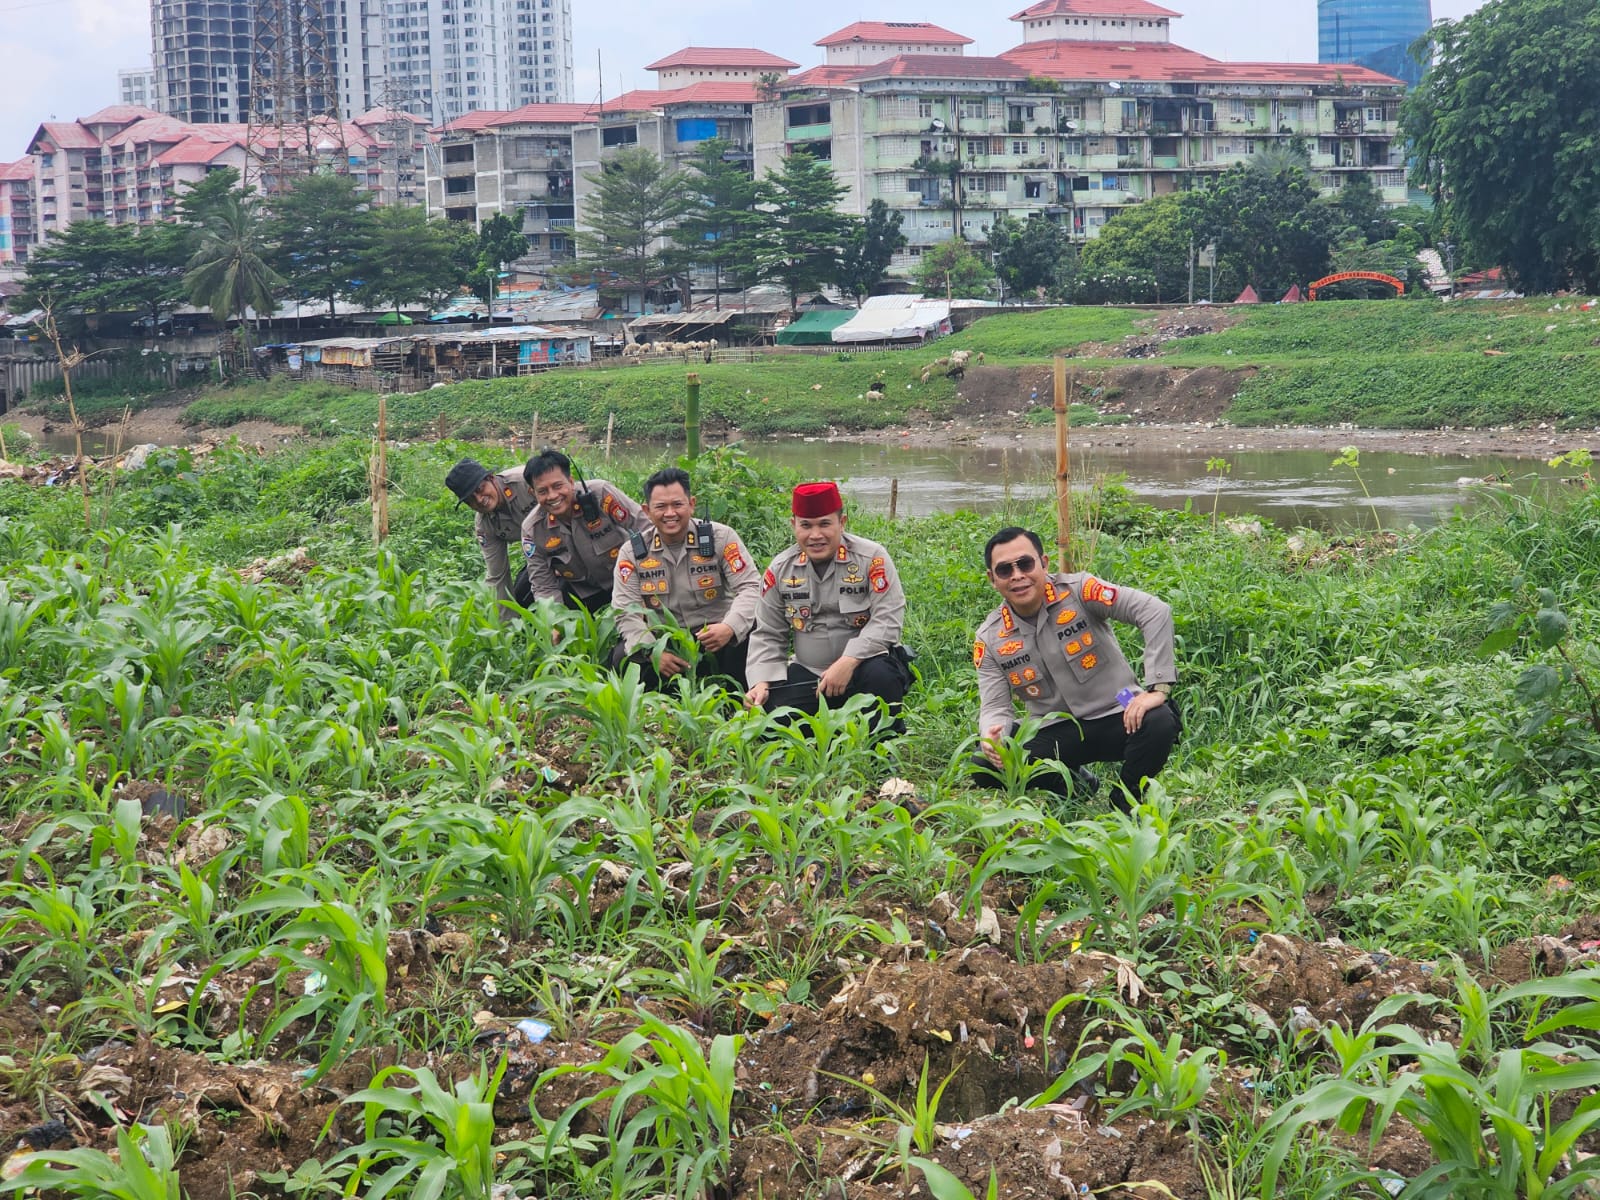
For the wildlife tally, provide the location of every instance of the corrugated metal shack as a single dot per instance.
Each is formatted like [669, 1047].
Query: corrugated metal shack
[413, 361]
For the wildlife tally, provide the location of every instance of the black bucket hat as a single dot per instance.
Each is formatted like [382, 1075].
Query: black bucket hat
[465, 477]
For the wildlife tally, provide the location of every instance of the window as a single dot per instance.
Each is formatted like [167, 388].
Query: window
[1071, 110]
[1375, 114]
[978, 183]
[1019, 147]
[924, 108]
[1032, 189]
[973, 110]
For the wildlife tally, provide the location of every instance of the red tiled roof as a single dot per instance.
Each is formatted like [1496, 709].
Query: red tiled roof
[895, 31]
[547, 114]
[704, 92]
[941, 66]
[824, 76]
[21, 169]
[119, 114]
[1160, 62]
[67, 135]
[479, 118]
[382, 116]
[195, 152]
[154, 129]
[1095, 8]
[722, 56]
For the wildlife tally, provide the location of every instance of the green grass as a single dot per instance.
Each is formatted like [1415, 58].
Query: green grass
[1035, 337]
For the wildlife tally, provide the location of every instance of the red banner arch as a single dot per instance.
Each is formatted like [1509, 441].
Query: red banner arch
[1398, 285]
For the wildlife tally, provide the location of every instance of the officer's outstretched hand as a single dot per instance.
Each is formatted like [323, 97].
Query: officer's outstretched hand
[715, 636]
[671, 665]
[756, 697]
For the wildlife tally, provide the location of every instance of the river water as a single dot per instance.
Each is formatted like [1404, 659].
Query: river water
[1287, 487]
[1290, 488]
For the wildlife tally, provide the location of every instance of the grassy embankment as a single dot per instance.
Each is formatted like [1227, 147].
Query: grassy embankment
[1411, 364]
[368, 752]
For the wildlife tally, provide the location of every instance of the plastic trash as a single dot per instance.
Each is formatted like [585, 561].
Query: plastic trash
[534, 1031]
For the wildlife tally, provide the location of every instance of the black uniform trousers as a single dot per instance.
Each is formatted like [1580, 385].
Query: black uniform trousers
[887, 676]
[1077, 743]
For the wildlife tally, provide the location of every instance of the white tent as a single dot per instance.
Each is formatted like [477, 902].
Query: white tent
[896, 319]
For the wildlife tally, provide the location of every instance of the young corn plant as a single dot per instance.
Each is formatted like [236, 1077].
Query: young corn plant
[669, 1125]
[144, 1167]
[465, 1161]
[915, 1124]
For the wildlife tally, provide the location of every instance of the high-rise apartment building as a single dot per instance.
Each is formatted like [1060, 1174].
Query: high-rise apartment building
[446, 58]
[1373, 33]
[201, 51]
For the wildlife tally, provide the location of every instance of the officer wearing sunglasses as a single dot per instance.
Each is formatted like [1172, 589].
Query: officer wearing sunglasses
[1050, 648]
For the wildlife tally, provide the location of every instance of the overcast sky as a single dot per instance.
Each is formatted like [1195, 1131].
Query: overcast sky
[60, 57]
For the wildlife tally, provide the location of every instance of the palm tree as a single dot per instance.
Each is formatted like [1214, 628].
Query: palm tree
[229, 273]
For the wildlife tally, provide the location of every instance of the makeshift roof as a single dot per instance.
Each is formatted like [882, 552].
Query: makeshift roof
[894, 31]
[814, 328]
[722, 56]
[893, 318]
[692, 319]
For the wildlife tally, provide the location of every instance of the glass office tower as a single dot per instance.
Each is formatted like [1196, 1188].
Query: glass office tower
[1373, 33]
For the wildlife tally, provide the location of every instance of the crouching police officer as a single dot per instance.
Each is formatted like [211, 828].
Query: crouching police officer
[830, 616]
[1050, 647]
[572, 536]
[501, 500]
[699, 572]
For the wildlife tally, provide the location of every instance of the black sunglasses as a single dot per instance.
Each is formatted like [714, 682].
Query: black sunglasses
[1005, 570]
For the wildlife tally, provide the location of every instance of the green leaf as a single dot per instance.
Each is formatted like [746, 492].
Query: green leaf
[1501, 639]
[1538, 683]
[1552, 625]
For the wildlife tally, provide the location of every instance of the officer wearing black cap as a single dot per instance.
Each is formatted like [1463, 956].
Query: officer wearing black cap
[501, 500]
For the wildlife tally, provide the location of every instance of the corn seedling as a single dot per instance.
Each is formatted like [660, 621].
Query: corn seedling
[143, 1168]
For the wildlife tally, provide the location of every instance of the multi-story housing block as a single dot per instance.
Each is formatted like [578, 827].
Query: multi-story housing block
[137, 86]
[1096, 110]
[18, 231]
[868, 42]
[487, 163]
[1373, 33]
[201, 52]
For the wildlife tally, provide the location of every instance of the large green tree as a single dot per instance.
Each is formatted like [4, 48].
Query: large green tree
[229, 272]
[1506, 130]
[800, 230]
[1269, 226]
[716, 230]
[95, 268]
[636, 205]
[408, 260]
[196, 201]
[953, 269]
[1031, 254]
[870, 249]
[1143, 253]
[319, 229]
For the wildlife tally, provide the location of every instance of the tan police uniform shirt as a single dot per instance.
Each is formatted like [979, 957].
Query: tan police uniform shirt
[1065, 659]
[578, 554]
[698, 590]
[500, 530]
[853, 606]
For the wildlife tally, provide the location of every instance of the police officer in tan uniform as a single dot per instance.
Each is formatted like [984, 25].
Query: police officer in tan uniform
[830, 616]
[501, 500]
[572, 536]
[697, 571]
[1050, 648]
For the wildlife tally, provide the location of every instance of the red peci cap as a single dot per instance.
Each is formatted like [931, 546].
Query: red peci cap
[816, 500]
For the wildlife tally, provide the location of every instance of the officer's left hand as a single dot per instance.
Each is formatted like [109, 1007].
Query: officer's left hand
[837, 677]
[1133, 715]
[714, 636]
[672, 665]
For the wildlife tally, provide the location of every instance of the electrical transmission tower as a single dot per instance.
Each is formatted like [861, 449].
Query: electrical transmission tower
[294, 123]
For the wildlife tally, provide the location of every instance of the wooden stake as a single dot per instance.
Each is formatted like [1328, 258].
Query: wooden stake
[533, 438]
[5, 455]
[380, 476]
[1063, 468]
[70, 360]
[611, 424]
[894, 496]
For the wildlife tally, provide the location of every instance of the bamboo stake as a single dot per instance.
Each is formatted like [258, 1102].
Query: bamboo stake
[894, 496]
[611, 424]
[1063, 467]
[380, 476]
[533, 438]
[69, 362]
[691, 415]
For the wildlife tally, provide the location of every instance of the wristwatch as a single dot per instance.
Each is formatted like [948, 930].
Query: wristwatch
[1164, 688]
